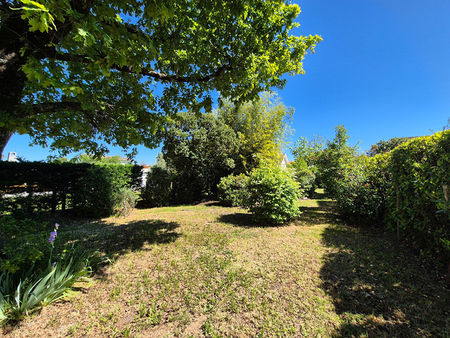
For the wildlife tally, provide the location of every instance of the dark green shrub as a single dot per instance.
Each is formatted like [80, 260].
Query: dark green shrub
[362, 192]
[418, 205]
[158, 188]
[406, 189]
[87, 189]
[273, 195]
[232, 190]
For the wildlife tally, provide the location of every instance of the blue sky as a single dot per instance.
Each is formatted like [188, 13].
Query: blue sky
[383, 70]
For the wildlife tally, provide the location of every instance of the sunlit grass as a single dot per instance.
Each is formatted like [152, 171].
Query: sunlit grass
[207, 270]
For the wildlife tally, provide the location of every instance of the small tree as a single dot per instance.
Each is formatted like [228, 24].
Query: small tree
[306, 154]
[332, 160]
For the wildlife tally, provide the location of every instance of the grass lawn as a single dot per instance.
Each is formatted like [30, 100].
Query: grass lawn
[207, 270]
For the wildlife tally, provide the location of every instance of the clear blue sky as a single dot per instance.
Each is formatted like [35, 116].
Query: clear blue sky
[383, 70]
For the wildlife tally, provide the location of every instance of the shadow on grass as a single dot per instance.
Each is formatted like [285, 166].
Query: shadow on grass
[322, 214]
[117, 239]
[240, 219]
[381, 289]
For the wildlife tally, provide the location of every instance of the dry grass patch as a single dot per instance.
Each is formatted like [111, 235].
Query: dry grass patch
[207, 270]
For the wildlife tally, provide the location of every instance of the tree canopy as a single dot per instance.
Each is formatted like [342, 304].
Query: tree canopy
[333, 159]
[89, 73]
[262, 126]
[199, 150]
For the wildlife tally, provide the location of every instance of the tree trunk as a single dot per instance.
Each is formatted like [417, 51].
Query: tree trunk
[5, 135]
[12, 78]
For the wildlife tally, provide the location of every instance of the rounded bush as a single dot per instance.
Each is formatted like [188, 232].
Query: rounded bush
[232, 190]
[273, 195]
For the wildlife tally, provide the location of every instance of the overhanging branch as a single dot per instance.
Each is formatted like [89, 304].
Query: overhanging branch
[51, 107]
[143, 71]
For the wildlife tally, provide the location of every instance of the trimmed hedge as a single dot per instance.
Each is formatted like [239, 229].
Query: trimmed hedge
[418, 205]
[87, 189]
[406, 190]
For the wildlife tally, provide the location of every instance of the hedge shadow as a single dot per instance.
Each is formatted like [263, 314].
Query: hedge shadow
[369, 276]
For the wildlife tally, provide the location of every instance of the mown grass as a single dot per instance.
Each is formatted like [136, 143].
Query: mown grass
[207, 270]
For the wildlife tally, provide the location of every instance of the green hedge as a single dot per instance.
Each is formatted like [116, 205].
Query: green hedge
[405, 190]
[85, 189]
[418, 206]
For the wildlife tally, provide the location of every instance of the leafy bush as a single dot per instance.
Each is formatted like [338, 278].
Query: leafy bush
[418, 203]
[333, 160]
[233, 190]
[199, 150]
[406, 189]
[24, 242]
[382, 146]
[124, 201]
[361, 194]
[158, 188]
[96, 192]
[273, 195]
[305, 176]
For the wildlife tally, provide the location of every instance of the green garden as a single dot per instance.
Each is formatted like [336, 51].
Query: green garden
[222, 236]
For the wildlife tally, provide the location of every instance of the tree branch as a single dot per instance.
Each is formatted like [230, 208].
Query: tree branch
[143, 71]
[51, 107]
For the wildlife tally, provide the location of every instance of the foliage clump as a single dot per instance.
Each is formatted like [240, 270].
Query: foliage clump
[382, 146]
[262, 127]
[405, 189]
[233, 190]
[363, 190]
[306, 154]
[158, 189]
[273, 195]
[198, 150]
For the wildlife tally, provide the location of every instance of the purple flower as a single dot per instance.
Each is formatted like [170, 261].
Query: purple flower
[56, 226]
[53, 264]
[52, 238]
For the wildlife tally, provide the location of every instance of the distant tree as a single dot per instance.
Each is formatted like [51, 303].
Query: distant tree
[332, 160]
[306, 154]
[262, 127]
[386, 146]
[86, 73]
[160, 161]
[199, 149]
